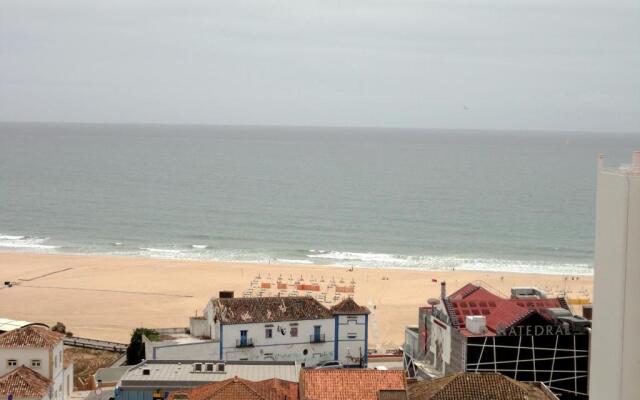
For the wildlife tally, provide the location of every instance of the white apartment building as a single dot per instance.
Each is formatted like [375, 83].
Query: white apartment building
[615, 349]
[296, 329]
[32, 365]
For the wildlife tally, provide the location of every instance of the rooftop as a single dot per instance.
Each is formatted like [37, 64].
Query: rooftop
[180, 338]
[268, 309]
[23, 382]
[180, 374]
[477, 386]
[500, 313]
[352, 384]
[30, 336]
[241, 389]
[349, 306]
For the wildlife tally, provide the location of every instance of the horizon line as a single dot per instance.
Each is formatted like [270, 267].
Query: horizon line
[354, 127]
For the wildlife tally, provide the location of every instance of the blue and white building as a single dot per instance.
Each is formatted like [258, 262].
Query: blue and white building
[298, 329]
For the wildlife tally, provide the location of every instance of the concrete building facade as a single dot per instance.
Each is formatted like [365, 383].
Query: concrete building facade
[615, 351]
[528, 337]
[41, 351]
[298, 329]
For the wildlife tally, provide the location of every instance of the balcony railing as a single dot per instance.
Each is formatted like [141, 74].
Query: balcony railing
[244, 342]
[317, 338]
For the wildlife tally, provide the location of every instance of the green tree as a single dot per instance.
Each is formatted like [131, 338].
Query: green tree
[135, 351]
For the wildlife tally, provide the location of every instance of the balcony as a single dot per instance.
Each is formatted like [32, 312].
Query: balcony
[244, 342]
[317, 338]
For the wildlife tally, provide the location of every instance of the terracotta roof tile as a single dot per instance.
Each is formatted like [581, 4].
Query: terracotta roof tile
[23, 382]
[500, 313]
[348, 384]
[241, 389]
[475, 386]
[269, 309]
[349, 306]
[30, 336]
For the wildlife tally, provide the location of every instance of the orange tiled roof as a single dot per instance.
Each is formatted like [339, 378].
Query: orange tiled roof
[23, 382]
[30, 336]
[348, 384]
[349, 306]
[241, 389]
[500, 313]
[475, 386]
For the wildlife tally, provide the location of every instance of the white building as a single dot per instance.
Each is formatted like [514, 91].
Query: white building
[615, 349]
[32, 365]
[270, 329]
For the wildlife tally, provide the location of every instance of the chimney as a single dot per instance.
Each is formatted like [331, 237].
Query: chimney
[635, 164]
[226, 294]
[443, 290]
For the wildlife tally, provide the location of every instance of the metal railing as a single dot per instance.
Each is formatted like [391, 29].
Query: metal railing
[317, 338]
[244, 342]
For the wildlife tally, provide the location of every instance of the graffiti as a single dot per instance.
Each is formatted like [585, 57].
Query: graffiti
[290, 353]
[323, 354]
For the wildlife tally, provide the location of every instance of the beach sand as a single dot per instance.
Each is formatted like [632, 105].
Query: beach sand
[105, 297]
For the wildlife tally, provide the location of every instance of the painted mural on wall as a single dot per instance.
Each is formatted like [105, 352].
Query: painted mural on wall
[438, 344]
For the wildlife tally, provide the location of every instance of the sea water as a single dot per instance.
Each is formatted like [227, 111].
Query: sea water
[384, 198]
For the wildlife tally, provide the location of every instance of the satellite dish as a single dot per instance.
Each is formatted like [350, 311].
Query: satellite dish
[433, 302]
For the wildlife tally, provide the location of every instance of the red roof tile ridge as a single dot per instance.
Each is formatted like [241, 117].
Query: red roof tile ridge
[349, 306]
[24, 382]
[30, 336]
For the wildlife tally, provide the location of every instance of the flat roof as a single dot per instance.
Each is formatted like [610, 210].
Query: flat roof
[179, 374]
[179, 338]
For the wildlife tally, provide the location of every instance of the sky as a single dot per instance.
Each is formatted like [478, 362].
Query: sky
[458, 64]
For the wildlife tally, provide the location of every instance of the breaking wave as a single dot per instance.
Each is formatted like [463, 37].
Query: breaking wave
[25, 243]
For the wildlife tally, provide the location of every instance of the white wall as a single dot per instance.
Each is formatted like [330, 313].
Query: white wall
[57, 369]
[615, 349]
[51, 365]
[199, 327]
[24, 357]
[350, 349]
[189, 351]
[281, 347]
[67, 378]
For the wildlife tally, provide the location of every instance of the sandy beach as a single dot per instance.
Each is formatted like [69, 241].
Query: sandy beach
[105, 297]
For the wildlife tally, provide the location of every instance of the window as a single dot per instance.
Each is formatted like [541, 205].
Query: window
[268, 333]
[12, 363]
[294, 331]
[209, 367]
[35, 363]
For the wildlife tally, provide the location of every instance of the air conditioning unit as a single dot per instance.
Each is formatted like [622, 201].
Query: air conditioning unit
[476, 324]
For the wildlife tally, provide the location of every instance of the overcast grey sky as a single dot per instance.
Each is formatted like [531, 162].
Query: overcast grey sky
[488, 64]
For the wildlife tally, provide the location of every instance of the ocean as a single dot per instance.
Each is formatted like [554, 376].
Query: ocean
[380, 198]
